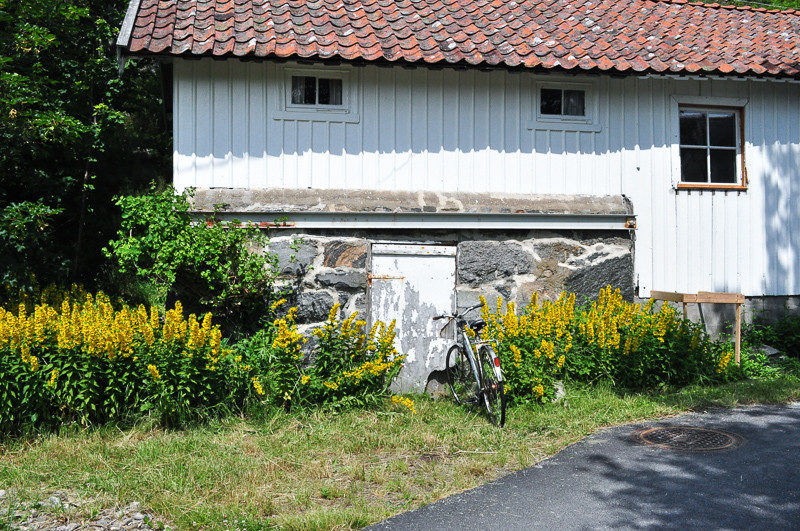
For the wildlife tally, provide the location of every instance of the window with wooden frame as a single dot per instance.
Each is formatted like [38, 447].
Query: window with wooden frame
[711, 147]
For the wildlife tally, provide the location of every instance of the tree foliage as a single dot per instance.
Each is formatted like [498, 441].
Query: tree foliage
[73, 133]
[202, 263]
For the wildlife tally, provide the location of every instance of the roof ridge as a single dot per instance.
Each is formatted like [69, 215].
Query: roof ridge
[732, 7]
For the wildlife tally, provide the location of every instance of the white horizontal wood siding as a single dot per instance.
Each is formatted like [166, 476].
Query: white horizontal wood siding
[448, 130]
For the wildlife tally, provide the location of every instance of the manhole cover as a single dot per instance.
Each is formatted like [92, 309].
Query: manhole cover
[688, 438]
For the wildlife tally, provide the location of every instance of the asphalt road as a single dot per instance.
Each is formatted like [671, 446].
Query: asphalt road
[610, 481]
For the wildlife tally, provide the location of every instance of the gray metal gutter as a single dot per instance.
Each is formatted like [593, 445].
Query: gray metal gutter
[431, 220]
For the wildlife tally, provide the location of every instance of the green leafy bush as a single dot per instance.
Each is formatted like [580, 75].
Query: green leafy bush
[349, 366]
[784, 335]
[201, 262]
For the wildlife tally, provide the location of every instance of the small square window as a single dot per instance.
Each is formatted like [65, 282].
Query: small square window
[562, 102]
[709, 145]
[310, 90]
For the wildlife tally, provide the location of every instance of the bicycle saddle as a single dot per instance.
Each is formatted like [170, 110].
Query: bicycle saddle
[477, 325]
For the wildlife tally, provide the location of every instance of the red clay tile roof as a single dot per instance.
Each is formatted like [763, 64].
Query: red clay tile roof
[670, 36]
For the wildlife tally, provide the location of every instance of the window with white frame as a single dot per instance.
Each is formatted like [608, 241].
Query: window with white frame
[710, 145]
[316, 93]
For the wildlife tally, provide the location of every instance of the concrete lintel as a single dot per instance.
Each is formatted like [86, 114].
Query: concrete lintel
[432, 220]
[287, 201]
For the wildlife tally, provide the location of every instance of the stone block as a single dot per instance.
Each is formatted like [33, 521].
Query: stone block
[313, 306]
[485, 261]
[587, 281]
[294, 257]
[556, 250]
[339, 253]
[343, 279]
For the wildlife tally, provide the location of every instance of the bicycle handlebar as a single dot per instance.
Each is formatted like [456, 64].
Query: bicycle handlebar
[455, 315]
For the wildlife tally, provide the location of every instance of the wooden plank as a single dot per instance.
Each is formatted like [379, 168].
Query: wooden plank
[720, 298]
[738, 344]
[670, 296]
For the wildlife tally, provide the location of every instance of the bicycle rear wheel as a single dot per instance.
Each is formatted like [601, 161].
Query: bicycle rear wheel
[494, 395]
[460, 377]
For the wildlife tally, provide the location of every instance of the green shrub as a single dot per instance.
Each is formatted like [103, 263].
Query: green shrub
[201, 262]
[783, 335]
[349, 366]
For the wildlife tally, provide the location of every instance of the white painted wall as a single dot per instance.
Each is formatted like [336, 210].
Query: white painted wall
[450, 130]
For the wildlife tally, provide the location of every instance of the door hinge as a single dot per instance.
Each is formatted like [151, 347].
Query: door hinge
[371, 277]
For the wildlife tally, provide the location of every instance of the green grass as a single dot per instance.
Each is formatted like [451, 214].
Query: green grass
[328, 470]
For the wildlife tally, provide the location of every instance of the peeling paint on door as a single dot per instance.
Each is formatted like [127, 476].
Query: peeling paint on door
[412, 283]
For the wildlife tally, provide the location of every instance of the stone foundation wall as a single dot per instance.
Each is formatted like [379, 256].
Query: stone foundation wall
[329, 266]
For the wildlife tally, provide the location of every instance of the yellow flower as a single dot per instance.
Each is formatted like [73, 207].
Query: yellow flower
[257, 386]
[305, 379]
[405, 402]
[154, 372]
[53, 377]
[724, 361]
[277, 303]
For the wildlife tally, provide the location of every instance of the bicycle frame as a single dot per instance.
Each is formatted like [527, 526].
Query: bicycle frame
[472, 355]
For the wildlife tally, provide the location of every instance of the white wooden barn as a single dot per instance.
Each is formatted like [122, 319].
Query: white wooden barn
[427, 151]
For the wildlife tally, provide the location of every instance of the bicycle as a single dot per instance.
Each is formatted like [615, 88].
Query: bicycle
[474, 378]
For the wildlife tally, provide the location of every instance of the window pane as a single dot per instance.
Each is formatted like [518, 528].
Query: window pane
[304, 90]
[694, 165]
[723, 166]
[693, 128]
[551, 101]
[330, 91]
[574, 103]
[722, 129]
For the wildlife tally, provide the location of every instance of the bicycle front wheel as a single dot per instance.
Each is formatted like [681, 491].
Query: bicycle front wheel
[460, 377]
[492, 387]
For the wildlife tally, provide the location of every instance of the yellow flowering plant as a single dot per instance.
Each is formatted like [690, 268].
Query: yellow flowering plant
[88, 361]
[639, 345]
[350, 365]
[354, 365]
[274, 356]
[630, 344]
[532, 346]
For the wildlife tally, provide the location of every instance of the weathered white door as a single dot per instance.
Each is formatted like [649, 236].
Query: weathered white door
[411, 284]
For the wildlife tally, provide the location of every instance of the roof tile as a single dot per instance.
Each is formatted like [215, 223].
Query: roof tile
[641, 35]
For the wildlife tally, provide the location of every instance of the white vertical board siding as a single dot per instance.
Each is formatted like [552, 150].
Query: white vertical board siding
[440, 130]
[448, 130]
[740, 241]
